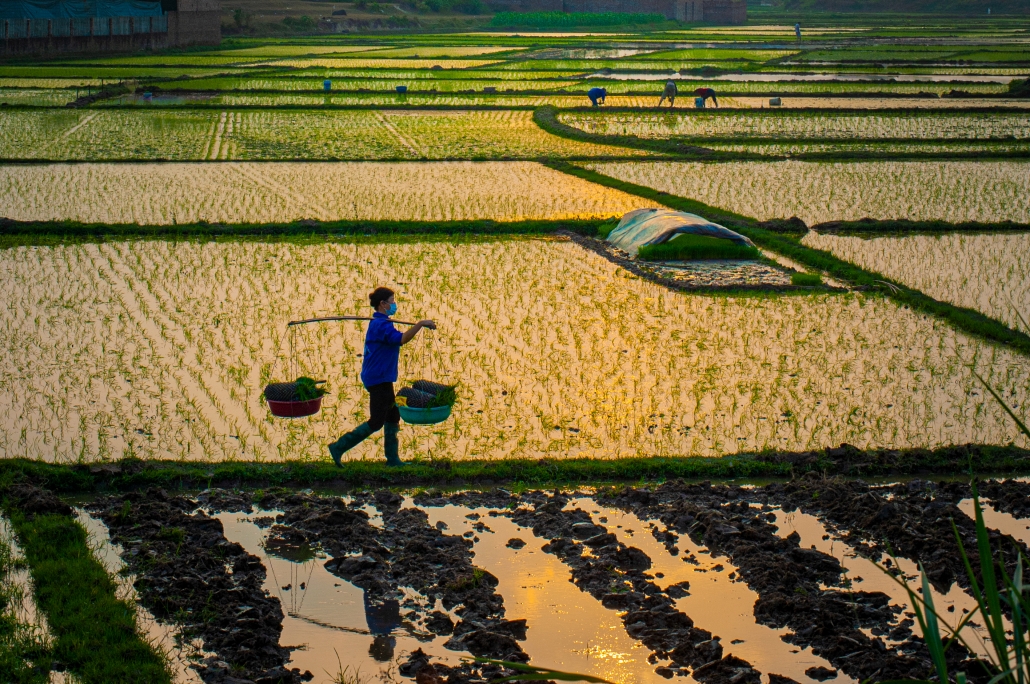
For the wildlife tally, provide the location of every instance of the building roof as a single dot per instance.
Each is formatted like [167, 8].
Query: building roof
[55, 9]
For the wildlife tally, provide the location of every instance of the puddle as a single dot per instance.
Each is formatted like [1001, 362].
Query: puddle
[23, 600]
[1006, 523]
[326, 617]
[567, 628]
[866, 576]
[161, 635]
[717, 603]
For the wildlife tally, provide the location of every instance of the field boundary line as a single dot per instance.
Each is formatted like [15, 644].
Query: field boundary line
[967, 320]
[404, 140]
[85, 120]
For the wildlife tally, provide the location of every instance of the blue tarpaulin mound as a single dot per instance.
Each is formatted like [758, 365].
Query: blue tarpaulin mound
[642, 227]
[70, 9]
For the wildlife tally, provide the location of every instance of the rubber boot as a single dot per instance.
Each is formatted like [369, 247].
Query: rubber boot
[348, 442]
[390, 442]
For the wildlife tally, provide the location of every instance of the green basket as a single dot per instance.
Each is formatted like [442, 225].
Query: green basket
[425, 416]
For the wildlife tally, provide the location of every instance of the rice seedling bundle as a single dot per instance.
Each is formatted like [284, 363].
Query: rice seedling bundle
[161, 349]
[986, 272]
[818, 192]
[960, 125]
[274, 192]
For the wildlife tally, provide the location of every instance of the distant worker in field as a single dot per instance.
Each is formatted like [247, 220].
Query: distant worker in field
[797, 31]
[597, 95]
[669, 92]
[705, 93]
[378, 373]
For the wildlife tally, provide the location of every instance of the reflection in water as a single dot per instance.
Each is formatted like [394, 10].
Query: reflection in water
[162, 635]
[986, 272]
[158, 349]
[715, 602]
[817, 192]
[331, 623]
[866, 576]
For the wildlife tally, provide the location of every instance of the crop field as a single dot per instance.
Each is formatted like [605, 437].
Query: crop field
[819, 192]
[284, 191]
[49, 97]
[986, 272]
[162, 348]
[165, 215]
[872, 125]
[282, 134]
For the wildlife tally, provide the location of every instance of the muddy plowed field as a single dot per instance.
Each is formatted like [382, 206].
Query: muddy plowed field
[716, 583]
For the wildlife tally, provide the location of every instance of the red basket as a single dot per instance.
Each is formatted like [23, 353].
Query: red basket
[295, 409]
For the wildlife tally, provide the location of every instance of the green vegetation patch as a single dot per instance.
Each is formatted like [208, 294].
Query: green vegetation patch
[688, 247]
[95, 634]
[24, 654]
[806, 279]
[135, 474]
[567, 19]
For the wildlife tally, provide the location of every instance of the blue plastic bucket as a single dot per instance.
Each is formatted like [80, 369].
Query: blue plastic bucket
[699, 102]
[424, 416]
[402, 89]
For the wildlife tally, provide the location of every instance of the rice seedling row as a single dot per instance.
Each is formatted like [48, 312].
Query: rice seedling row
[791, 125]
[160, 350]
[985, 272]
[195, 134]
[820, 192]
[275, 192]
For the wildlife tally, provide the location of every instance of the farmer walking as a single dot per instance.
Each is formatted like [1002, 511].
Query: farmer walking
[670, 93]
[705, 93]
[378, 373]
[597, 94]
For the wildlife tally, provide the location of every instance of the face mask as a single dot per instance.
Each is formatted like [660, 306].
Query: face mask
[392, 310]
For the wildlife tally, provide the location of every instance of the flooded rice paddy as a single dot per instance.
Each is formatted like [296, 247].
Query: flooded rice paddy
[986, 272]
[241, 192]
[188, 135]
[712, 583]
[817, 192]
[160, 349]
[879, 125]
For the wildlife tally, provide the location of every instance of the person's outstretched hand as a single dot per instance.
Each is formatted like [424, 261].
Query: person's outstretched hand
[428, 324]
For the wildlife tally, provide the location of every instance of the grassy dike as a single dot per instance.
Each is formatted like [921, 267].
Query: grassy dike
[135, 474]
[22, 233]
[967, 320]
[95, 634]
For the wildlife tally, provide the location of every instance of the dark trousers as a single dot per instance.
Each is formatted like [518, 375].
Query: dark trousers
[382, 406]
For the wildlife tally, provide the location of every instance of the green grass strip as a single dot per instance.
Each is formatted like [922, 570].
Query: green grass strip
[966, 320]
[546, 117]
[22, 233]
[872, 227]
[95, 634]
[19, 643]
[135, 474]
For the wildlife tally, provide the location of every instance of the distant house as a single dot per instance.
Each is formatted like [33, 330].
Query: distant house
[711, 11]
[42, 26]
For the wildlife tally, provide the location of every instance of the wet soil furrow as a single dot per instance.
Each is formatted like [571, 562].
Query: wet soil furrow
[405, 552]
[615, 574]
[1010, 496]
[796, 586]
[913, 520]
[189, 574]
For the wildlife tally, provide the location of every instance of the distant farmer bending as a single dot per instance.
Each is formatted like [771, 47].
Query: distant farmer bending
[670, 93]
[597, 95]
[705, 93]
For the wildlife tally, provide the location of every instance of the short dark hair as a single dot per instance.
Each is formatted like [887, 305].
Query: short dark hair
[380, 295]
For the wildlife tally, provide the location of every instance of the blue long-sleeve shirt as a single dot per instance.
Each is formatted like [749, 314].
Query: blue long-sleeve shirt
[382, 351]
